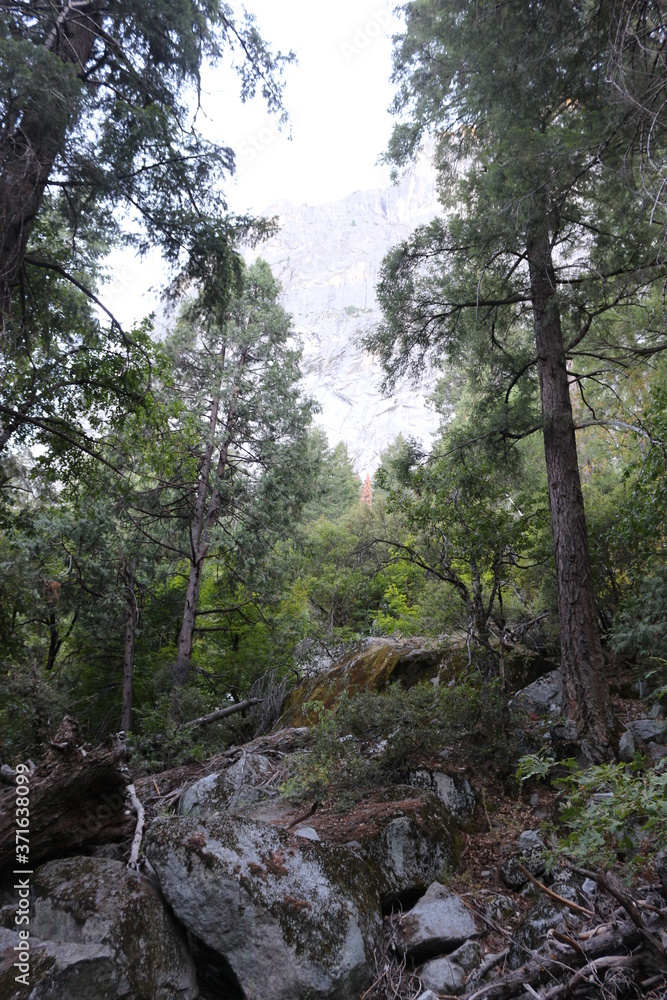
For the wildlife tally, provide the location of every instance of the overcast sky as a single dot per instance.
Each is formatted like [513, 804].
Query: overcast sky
[337, 97]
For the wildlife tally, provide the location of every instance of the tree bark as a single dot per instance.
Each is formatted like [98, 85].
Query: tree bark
[76, 797]
[585, 691]
[33, 144]
[205, 516]
[129, 578]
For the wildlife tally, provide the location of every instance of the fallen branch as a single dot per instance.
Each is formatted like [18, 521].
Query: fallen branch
[139, 831]
[490, 962]
[221, 713]
[306, 815]
[615, 889]
[592, 968]
[554, 895]
[624, 935]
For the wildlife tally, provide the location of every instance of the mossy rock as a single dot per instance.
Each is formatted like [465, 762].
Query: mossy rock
[369, 665]
[413, 842]
[57, 970]
[293, 918]
[78, 902]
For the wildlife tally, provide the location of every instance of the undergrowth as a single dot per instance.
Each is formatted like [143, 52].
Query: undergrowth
[609, 814]
[371, 738]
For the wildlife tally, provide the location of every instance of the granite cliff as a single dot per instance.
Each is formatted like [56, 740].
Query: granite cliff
[328, 259]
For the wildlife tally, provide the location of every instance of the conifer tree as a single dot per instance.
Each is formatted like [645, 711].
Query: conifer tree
[236, 374]
[543, 232]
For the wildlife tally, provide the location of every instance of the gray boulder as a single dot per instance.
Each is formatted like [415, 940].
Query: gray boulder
[545, 915]
[468, 955]
[442, 976]
[542, 697]
[626, 746]
[501, 908]
[648, 730]
[230, 790]
[293, 918]
[100, 930]
[530, 840]
[56, 970]
[454, 791]
[438, 923]
[411, 850]
[531, 856]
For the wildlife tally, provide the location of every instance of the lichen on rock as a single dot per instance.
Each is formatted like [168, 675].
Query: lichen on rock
[267, 900]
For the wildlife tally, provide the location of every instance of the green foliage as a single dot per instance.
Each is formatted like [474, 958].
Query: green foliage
[468, 518]
[335, 488]
[330, 766]
[100, 147]
[613, 812]
[534, 765]
[160, 744]
[371, 739]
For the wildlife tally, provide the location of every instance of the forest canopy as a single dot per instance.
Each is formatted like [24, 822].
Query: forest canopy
[176, 534]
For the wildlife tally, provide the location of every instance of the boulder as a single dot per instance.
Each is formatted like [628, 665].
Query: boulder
[233, 789]
[542, 697]
[512, 875]
[412, 849]
[648, 730]
[626, 746]
[438, 923]
[530, 855]
[292, 917]
[442, 976]
[545, 915]
[468, 955]
[98, 923]
[57, 970]
[368, 665]
[501, 908]
[530, 840]
[453, 790]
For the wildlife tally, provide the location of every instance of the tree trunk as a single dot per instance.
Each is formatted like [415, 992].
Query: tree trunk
[32, 146]
[129, 577]
[76, 797]
[187, 633]
[205, 517]
[585, 691]
[198, 549]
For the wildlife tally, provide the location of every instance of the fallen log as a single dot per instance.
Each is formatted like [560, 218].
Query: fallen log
[592, 969]
[74, 797]
[221, 713]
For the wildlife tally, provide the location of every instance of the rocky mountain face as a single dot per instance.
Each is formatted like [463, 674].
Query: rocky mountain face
[328, 259]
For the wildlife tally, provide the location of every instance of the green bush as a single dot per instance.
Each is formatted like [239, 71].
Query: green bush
[614, 812]
[374, 738]
[609, 813]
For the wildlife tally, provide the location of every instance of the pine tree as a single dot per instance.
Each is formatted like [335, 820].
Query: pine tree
[99, 147]
[544, 231]
[236, 375]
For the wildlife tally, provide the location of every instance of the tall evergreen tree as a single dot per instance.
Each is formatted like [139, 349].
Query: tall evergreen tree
[99, 146]
[237, 374]
[543, 229]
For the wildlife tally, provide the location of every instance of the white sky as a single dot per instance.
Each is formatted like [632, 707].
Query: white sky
[337, 97]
